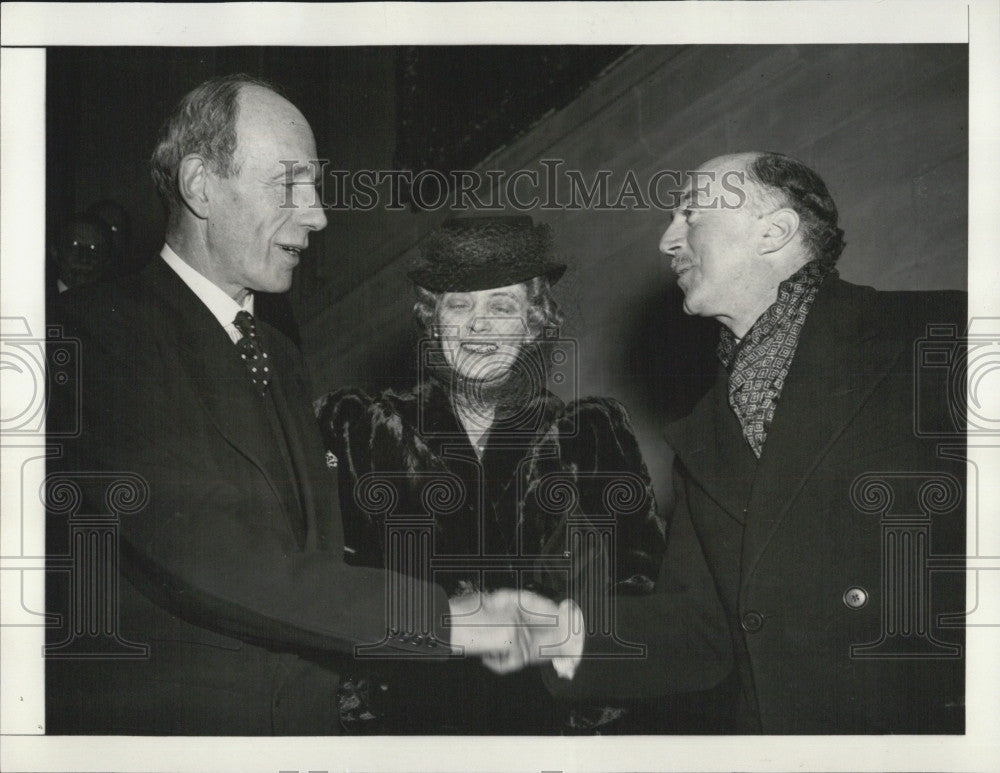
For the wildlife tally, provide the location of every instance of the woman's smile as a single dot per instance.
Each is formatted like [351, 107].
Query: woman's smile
[480, 347]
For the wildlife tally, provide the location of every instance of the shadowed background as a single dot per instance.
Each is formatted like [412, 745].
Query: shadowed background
[885, 126]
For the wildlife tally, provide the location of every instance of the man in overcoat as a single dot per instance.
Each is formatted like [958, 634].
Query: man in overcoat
[811, 513]
[224, 603]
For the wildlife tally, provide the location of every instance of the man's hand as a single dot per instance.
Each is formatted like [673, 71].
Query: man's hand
[484, 623]
[513, 629]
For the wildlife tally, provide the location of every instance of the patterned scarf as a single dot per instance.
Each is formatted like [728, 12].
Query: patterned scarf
[758, 364]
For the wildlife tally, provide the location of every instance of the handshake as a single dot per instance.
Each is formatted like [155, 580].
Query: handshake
[511, 629]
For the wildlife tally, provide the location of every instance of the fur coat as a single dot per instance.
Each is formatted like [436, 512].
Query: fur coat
[516, 520]
[548, 466]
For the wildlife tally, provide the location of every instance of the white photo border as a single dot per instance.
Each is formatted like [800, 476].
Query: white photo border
[29, 27]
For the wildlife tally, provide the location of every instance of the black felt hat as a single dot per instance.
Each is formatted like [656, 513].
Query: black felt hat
[479, 253]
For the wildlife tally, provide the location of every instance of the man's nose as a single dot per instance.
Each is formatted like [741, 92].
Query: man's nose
[673, 237]
[313, 216]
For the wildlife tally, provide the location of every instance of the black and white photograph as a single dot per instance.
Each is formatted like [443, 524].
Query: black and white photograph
[444, 387]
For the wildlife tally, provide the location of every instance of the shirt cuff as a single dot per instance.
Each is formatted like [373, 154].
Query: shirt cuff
[565, 665]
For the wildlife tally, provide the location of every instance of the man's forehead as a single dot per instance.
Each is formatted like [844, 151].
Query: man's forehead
[262, 110]
[261, 127]
[256, 100]
[278, 142]
[717, 168]
[719, 176]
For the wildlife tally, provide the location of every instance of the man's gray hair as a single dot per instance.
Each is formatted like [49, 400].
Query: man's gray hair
[799, 187]
[203, 122]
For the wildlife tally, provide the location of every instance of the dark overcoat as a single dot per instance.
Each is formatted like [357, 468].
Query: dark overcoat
[232, 572]
[836, 560]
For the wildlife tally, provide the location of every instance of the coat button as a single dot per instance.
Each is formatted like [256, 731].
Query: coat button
[855, 597]
[752, 622]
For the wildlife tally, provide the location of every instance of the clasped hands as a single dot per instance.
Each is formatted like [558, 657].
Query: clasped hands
[511, 629]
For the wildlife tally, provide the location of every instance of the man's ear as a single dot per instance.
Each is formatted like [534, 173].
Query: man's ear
[192, 182]
[781, 226]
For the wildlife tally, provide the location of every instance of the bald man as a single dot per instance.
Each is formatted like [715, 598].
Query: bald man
[808, 509]
[233, 610]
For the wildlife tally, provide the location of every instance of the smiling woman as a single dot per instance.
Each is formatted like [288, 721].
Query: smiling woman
[481, 418]
[483, 330]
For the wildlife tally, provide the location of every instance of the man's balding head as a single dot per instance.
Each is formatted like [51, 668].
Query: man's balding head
[749, 221]
[237, 166]
[204, 122]
[773, 180]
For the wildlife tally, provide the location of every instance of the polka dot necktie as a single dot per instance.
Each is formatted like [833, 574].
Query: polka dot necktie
[254, 356]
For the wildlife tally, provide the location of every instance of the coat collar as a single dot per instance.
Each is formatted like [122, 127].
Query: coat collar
[844, 353]
[841, 357]
[433, 416]
[215, 370]
[710, 445]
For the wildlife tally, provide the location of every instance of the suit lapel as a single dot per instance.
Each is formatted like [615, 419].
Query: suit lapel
[710, 445]
[298, 427]
[211, 367]
[839, 361]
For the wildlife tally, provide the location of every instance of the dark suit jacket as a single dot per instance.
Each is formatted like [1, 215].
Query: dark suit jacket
[781, 548]
[232, 573]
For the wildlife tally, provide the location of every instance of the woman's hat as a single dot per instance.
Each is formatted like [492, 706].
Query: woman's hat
[479, 253]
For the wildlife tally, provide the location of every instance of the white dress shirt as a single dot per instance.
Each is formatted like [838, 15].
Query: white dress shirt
[223, 307]
[567, 662]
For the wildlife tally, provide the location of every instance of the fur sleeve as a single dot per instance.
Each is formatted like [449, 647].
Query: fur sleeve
[597, 441]
[345, 420]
